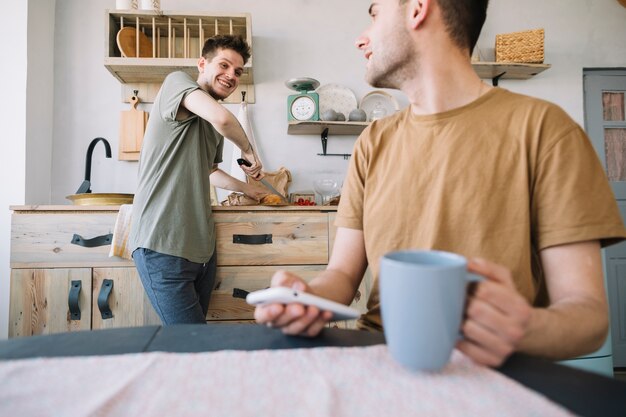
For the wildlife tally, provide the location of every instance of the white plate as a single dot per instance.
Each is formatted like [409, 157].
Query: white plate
[381, 100]
[337, 97]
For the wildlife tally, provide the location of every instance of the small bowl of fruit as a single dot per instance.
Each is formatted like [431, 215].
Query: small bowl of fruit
[303, 199]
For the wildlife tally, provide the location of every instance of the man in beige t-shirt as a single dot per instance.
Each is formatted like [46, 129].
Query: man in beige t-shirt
[508, 181]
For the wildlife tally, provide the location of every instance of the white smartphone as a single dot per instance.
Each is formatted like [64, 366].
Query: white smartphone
[284, 295]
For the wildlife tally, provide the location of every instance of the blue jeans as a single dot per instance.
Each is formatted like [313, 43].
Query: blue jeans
[178, 289]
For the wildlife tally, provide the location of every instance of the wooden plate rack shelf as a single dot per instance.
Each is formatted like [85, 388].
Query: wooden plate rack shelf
[176, 40]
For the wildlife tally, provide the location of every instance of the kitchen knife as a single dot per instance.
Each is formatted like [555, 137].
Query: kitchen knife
[242, 161]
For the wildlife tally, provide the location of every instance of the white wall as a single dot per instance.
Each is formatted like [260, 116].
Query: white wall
[296, 38]
[13, 121]
[291, 38]
[579, 34]
[39, 100]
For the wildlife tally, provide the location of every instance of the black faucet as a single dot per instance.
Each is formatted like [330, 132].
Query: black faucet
[85, 187]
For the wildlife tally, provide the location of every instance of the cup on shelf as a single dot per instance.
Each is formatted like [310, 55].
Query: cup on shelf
[125, 4]
[150, 4]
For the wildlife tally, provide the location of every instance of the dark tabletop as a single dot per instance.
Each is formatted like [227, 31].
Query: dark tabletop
[584, 393]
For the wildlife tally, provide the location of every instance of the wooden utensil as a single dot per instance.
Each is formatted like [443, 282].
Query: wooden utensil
[129, 40]
[132, 127]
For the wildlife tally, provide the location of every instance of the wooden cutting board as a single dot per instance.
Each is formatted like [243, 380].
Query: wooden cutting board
[132, 127]
[127, 39]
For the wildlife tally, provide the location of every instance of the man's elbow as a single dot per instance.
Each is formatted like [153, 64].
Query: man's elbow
[596, 328]
[599, 332]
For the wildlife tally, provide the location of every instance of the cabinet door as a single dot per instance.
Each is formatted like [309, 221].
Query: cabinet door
[127, 302]
[225, 306]
[39, 302]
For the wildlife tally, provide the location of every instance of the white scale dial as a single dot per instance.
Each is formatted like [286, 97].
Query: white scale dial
[303, 108]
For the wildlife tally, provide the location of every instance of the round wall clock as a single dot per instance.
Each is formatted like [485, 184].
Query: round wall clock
[303, 106]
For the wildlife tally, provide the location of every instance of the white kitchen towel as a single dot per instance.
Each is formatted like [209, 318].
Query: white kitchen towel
[338, 382]
[119, 244]
[244, 120]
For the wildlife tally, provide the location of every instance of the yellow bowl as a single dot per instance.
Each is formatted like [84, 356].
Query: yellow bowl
[100, 199]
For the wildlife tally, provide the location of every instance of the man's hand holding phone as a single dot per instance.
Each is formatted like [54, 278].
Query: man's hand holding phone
[293, 318]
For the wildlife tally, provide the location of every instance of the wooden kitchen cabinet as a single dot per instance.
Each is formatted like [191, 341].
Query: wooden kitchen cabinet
[39, 300]
[45, 263]
[253, 243]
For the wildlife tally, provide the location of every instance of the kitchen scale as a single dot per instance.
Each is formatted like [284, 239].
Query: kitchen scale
[305, 105]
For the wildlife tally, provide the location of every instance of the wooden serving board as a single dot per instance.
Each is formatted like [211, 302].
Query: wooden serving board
[132, 127]
[127, 39]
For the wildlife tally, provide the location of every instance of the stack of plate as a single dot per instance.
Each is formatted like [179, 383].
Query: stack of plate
[376, 104]
[338, 98]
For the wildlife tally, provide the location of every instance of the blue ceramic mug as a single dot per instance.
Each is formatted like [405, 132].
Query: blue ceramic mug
[422, 297]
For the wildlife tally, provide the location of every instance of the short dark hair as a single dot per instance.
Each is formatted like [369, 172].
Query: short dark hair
[234, 42]
[464, 20]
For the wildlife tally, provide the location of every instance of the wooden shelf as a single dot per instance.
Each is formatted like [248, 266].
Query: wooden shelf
[334, 128]
[176, 39]
[513, 71]
[154, 70]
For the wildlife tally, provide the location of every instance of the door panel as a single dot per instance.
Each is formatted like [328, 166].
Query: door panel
[39, 301]
[605, 122]
[605, 119]
[127, 300]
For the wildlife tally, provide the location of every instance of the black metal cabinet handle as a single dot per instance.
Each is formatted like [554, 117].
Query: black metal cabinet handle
[103, 299]
[252, 239]
[93, 242]
[240, 293]
[73, 300]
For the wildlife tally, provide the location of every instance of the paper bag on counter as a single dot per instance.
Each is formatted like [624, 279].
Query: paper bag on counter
[279, 179]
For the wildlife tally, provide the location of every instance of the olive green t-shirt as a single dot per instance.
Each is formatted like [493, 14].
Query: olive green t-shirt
[501, 178]
[172, 204]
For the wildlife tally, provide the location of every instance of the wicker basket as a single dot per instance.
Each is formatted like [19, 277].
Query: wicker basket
[526, 46]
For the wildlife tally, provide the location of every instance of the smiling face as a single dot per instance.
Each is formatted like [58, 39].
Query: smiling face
[387, 45]
[220, 75]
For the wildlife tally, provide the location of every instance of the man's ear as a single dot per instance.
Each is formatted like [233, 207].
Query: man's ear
[418, 10]
[201, 64]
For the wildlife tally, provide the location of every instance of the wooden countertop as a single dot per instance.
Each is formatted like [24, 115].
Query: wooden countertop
[77, 208]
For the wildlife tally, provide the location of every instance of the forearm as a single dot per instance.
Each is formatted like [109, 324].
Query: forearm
[220, 179]
[341, 279]
[566, 329]
[335, 285]
[232, 130]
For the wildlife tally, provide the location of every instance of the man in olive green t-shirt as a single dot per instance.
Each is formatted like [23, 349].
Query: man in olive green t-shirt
[173, 233]
[509, 181]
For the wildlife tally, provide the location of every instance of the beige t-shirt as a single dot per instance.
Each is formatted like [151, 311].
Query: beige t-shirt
[500, 178]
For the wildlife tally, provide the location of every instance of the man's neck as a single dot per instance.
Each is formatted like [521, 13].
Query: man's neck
[445, 81]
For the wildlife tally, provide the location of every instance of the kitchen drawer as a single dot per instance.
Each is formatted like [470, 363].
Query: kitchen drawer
[223, 306]
[272, 238]
[44, 239]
